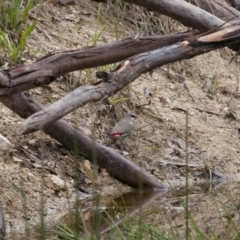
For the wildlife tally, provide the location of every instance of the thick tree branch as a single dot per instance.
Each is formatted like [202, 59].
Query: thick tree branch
[127, 72]
[48, 69]
[218, 8]
[182, 11]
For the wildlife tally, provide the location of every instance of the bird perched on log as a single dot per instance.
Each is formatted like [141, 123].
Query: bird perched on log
[124, 127]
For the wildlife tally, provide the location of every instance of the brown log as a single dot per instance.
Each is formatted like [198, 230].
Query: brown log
[127, 72]
[105, 157]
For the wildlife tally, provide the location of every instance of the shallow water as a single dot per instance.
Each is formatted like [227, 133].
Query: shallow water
[214, 211]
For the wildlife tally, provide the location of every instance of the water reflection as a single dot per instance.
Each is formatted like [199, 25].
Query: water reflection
[102, 218]
[211, 206]
[125, 206]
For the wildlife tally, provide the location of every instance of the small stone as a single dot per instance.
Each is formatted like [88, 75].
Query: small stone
[5, 145]
[30, 177]
[32, 141]
[54, 182]
[125, 153]
[192, 113]
[17, 160]
[147, 91]
[168, 100]
[175, 209]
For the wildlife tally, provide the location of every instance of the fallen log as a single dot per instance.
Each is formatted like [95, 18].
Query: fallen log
[105, 157]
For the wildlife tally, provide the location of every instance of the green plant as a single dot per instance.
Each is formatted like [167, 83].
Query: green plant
[98, 33]
[118, 25]
[215, 83]
[14, 28]
[114, 101]
[15, 50]
[64, 232]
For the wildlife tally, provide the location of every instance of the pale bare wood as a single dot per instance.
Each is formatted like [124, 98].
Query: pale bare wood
[182, 11]
[127, 72]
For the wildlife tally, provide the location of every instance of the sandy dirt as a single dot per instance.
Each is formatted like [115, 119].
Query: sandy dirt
[207, 86]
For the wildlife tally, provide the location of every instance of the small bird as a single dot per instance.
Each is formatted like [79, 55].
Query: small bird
[124, 127]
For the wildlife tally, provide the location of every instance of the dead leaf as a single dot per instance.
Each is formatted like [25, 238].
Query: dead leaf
[175, 147]
[181, 143]
[72, 18]
[180, 146]
[147, 91]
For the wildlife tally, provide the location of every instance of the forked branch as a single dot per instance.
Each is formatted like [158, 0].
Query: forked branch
[127, 72]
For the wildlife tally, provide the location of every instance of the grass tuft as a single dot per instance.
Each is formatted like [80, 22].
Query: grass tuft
[15, 27]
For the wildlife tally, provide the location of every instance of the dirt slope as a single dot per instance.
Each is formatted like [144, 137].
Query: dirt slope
[207, 86]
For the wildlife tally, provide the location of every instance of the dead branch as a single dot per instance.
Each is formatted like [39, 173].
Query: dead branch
[235, 4]
[182, 11]
[105, 157]
[48, 69]
[218, 8]
[45, 71]
[127, 72]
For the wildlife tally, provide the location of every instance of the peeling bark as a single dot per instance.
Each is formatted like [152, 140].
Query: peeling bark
[45, 71]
